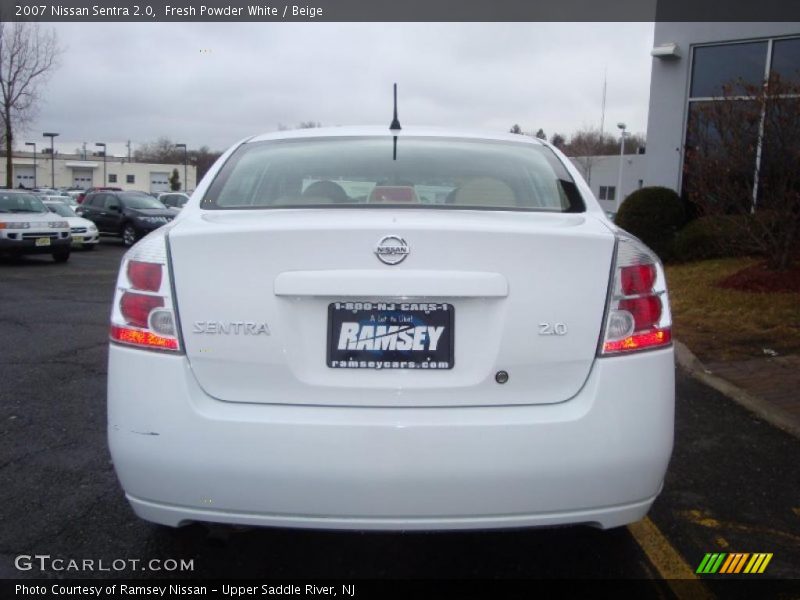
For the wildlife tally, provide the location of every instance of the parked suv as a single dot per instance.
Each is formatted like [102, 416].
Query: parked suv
[28, 227]
[128, 215]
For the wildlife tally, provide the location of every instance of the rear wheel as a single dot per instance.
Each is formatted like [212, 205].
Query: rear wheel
[129, 235]
[61, 256]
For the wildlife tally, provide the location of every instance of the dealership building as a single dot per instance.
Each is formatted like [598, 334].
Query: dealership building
[691, 61]
[74, 170]
[603, 175]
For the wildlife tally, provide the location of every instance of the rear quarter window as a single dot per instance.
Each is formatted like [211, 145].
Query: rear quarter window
[411, 172]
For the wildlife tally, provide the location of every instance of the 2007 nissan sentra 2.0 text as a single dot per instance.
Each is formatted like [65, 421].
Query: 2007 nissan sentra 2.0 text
[367, 328]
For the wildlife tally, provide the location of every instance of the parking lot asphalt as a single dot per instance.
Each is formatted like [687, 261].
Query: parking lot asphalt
[732, 485]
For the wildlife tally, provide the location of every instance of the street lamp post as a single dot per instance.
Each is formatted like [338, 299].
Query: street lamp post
[52, 136]
[185, 161]
[34, 160]
[618, 195]
[103, 146]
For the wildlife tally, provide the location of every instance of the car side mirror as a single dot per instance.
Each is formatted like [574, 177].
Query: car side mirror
[114, 207]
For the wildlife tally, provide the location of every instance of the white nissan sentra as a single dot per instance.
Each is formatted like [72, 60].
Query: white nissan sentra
[391, 329]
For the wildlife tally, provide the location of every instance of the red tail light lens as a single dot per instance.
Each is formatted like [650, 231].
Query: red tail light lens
[143, 314]
[638, 315]
[145, 276]
[646, 311]
[136, 308]
[637, 279]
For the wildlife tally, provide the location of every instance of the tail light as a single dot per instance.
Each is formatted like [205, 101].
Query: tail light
[637, 315]
[143, 313]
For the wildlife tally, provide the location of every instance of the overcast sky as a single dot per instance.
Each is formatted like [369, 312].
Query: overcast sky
[214, 83]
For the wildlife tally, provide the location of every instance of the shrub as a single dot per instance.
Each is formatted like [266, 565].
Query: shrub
[654, 215]
[715, 236]
[697, 242]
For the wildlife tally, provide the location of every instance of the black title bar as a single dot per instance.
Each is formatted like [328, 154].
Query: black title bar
[399, 11]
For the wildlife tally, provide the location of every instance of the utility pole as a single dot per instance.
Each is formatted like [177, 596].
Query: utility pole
[129, 150]
[618, 196]
[603, 106]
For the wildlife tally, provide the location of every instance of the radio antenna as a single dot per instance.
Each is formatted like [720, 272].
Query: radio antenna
[395, 123]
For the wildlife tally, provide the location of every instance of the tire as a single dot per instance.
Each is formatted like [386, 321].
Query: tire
[129, 235]
[61, 256]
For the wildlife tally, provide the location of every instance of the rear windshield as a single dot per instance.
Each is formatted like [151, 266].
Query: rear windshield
[407, 172]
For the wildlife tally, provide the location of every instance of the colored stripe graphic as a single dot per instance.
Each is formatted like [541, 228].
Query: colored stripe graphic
[734, 562]
[758, 563]
[741, 562]
[727, 564]
[711, 563]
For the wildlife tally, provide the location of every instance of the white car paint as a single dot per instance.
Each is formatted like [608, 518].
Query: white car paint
[84, 232]
[32, 232]
[247, 424]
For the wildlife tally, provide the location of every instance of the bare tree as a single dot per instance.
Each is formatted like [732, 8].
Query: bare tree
[584, 145]
[28, 55]
[161, 151]
[742, 157]
[588, 143]
[515, 128]
[203, 159]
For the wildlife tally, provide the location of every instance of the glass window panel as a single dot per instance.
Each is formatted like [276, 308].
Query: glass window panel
[786, 59]
[406, 172]
[714, 66]
[720, 155]
[779, 178]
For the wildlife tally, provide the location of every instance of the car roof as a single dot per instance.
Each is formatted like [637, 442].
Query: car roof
[15, 191]
[376, 131]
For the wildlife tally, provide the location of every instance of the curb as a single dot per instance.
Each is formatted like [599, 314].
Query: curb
[763, 409]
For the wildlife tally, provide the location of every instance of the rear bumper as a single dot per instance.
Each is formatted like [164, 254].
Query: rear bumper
[599, 458]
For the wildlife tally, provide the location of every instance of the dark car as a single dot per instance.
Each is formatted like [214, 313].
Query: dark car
[129, 215]
[82, 197]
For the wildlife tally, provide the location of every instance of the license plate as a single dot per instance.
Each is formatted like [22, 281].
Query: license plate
[42, 241]
[390, 335]
[77, 238]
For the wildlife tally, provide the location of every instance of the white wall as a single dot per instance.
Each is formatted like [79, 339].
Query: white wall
[65, 166]
[605, 172]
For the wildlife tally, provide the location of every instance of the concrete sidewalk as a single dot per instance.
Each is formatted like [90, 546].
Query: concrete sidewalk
[769, 386]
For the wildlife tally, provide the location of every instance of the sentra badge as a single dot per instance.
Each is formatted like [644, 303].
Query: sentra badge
[231, 327]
